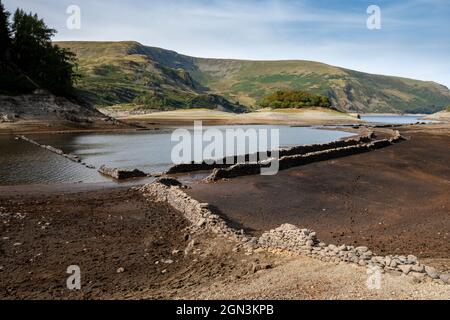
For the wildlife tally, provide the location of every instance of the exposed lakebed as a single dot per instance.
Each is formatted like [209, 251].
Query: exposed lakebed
[150, 151]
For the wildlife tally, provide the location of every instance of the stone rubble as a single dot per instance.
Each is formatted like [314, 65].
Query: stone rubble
[286, 238]
[304, 242]
[120, 174]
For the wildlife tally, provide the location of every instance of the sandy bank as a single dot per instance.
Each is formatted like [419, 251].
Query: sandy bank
[279, 116]
[155, 120]
[439, 116]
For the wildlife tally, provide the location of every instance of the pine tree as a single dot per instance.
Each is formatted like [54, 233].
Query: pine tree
[5, 33]
[50, 66]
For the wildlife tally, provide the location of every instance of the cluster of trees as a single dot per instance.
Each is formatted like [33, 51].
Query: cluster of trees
[171, 99]
[29, 60]
[294, 99]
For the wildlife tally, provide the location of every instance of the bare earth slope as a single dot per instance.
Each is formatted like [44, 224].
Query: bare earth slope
[46, 112]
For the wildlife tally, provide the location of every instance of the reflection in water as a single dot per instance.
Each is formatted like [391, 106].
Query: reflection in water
[23, 163]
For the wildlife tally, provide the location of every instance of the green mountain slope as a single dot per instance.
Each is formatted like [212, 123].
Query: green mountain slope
[124, 72]
[249, 81]
[127, 72]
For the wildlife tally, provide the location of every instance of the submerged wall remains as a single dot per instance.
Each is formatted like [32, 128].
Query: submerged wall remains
[294, 159]
[296, 150]
[71, 157]
[120, 174]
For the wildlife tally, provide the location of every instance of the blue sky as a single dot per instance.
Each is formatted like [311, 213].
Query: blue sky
[413, 40]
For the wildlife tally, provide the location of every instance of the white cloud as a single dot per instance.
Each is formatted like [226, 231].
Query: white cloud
[266, 30]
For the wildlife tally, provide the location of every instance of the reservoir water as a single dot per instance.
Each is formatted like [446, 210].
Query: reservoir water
[150, 151]
[394, 119]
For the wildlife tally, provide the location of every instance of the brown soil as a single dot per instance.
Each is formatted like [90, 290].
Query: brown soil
[395, 200]
[103, 228]
[102, 231]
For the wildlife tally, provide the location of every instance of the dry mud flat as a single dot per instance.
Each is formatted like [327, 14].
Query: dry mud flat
[394, 200]
[125, 246]
[130, 248]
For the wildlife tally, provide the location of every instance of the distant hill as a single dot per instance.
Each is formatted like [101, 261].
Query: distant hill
[128, 72]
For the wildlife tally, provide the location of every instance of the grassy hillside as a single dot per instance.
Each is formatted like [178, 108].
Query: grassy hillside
[127, 72]
[249, 81]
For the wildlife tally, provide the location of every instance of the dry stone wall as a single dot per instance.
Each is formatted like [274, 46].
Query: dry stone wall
[296, 150]
[287, 237]
[288, 161]
[304, 242]
[197, 213]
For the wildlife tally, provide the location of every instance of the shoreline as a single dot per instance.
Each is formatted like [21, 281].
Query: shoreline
[135, 247]
[363, 199]
[171, 119]
[358, 134]
[153, 121]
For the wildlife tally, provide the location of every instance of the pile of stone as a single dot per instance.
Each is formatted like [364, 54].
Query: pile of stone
[304, 241]
[396, 137]
[6, 118]
[287, 237]
[121, 174]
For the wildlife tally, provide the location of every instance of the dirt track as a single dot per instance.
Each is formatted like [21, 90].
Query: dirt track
[395, 200]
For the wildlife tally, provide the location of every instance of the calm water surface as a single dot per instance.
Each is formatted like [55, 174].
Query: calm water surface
[405, 119]
[150, 151]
